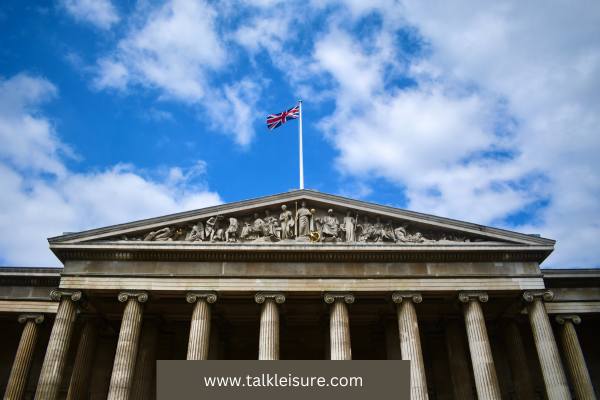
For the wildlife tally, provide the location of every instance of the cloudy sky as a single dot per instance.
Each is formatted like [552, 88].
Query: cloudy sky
[116, 111]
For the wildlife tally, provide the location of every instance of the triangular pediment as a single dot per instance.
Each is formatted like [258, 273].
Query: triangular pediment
[303, 217]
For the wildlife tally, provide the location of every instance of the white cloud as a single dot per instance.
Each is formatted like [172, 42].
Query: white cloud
[100, 13]
[532, 64]
[43, 198]
[174, 49]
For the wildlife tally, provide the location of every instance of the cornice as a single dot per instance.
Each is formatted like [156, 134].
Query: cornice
[171, 251]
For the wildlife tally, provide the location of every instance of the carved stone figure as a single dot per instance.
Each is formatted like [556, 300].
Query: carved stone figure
[231, 231]
[271, 226]
[366, 230]
[303, 220]
[196, 233]
[286, 220]
[213, 231]
[387, 234]
[402, 236]
[329, 226]
[246, 233]
[377, 230]
[163, 234]
[349, 227]
[258, 227]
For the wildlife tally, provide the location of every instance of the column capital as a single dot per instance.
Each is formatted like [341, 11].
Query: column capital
[398, 297]
[58, 294]
[465, 297]
[563, 318]
[37, 318]
[260, 297]
[209, 297]
[142, 297]
[331, 297]
[530, 295]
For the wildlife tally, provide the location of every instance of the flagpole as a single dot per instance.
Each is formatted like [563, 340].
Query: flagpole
[300, 147]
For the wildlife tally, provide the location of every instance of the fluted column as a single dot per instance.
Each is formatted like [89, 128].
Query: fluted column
[552, 369]
[462, 386]
[573, 355]
[515, 351]
[58, 345]
[410, 342]
[127, 346]
[339, 325]
[199, 339]
[78, 386]
[19, 373]
[145, 365]
[484, 371]
[268, 343]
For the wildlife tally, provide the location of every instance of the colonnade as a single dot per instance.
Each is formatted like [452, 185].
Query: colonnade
[482, 362]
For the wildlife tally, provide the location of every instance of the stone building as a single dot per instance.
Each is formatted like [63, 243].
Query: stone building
[325, 277]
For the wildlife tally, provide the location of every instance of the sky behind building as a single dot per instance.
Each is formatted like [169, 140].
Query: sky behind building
[116, 111]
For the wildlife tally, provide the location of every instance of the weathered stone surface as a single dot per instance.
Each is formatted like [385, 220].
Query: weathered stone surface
[573, 356]
[58, 346]
[410, 342]
[339, 325]
[22, 362]
[268, 343]
[198, 344]
[127, 347]
[552, 369]
[484, 371]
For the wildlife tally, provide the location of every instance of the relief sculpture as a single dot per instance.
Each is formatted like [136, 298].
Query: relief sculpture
[304, 225]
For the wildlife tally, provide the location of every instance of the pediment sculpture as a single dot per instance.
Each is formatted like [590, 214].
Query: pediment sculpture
[304, 224]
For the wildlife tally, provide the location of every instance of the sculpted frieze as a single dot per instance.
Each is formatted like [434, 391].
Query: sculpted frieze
[302, 224]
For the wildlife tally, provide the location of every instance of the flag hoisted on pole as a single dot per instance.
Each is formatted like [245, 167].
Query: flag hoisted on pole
[276, 120]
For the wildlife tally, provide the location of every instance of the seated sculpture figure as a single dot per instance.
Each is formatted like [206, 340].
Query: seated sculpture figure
[329, 226]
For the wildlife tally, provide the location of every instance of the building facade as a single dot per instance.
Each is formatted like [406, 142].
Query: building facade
[301, 275]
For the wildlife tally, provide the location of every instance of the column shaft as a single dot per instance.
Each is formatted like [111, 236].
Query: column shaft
[58, 349]
[19, 373]
[79, 384]
[410, 347]
[145, 365]
[268, 347]
[199, 331]
[462, 385]
[519, 369]
[580, 376]
[552, 370]
[339, 331]
[486, 381]
[127, 346]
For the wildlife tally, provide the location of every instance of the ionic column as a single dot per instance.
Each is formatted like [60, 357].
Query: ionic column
[78, 386]
[462, 386]
[145, 365]
[484, 371]
[127, 346]
[20, 368]
[58, 345]
[339, 325]
[268, 343]
[552, 369]
[410, 342]
[199, 340]
[580, 376]
[516, 358]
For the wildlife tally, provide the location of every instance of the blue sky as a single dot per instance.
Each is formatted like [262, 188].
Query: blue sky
[116, 111]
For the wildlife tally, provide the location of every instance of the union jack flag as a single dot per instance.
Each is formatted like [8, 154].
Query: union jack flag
[276, 120]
